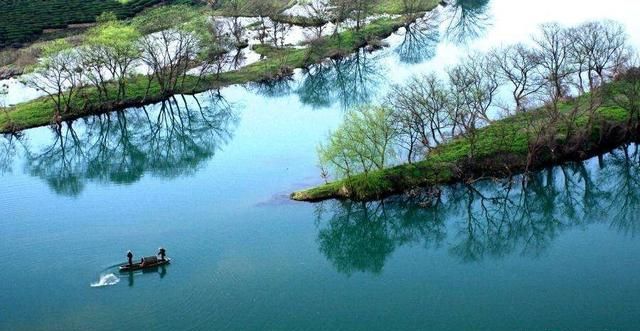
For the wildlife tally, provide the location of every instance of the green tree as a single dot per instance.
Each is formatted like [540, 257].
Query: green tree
[364, 142]
[111, 46]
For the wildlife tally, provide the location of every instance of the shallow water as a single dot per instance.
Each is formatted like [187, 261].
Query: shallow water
[207, 177]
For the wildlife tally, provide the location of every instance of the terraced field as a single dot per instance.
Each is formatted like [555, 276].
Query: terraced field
[25, 20]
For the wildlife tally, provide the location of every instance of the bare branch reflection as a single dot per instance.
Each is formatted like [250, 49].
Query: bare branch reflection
[168, 140]
[8, 152]
[467, 20]
[350, 81]
[487, 219]
[420, 41]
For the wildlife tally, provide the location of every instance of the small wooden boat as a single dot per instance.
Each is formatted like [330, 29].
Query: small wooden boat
[146, 263]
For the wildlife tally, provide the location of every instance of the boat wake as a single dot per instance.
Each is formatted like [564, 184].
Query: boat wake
[106, 280]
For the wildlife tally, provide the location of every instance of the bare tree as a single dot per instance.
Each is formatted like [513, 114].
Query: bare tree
[412, 9]
[168, 55]
[342, 9]
[214, 50]
[476, 83]
[234, 9]
[518, 66]
[474, 87]
[625, 92]
[420, 113]
[270, 28]
[553, 48]
[600, 50]
[320, 13]
[358, 10]
[58, 74]
[4, 91]
[361, 10]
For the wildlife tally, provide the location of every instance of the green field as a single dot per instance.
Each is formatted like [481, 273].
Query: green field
[23, 21]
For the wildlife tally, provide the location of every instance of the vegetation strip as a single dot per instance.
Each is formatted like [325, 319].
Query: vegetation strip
[503, 150]
[140, 90]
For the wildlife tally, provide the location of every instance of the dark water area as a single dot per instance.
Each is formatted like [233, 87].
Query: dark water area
[208, 177]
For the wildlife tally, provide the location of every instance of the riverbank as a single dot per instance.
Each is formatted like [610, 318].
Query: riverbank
[278, 63]
[502, 149]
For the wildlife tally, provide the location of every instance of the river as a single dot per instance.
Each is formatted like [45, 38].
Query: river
[208, 177]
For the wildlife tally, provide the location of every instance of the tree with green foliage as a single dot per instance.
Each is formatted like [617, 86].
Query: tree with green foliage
[363, 143]
[111, 47]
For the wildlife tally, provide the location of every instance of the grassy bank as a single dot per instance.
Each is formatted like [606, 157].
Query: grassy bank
[277, 63]
[503, 148]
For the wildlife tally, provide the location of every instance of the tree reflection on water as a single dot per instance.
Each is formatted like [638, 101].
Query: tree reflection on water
[172, 139]
[8, 151]
[420, 41]
[360, 236]
[486, 219]
[466, 20]
[350, 81]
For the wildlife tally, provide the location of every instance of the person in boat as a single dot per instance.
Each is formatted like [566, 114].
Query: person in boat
[130, 258]
[162, 253]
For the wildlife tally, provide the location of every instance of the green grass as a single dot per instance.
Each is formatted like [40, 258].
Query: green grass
[396, 6]
[501, 147]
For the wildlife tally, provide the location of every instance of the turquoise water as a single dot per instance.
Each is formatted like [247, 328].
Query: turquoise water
[208, 178]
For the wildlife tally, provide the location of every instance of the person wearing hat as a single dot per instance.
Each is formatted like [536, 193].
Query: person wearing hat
[130, 257]
[162, 253]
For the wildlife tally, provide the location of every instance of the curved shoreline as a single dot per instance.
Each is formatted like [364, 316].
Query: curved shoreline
[278, 64]
[446, 167]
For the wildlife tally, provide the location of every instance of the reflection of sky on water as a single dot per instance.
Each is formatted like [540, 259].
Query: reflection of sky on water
[247, 260]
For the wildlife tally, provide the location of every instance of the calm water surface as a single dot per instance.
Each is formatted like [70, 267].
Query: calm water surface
[207, 177]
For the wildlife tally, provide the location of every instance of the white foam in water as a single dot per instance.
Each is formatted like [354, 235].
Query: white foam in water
[106, 280]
